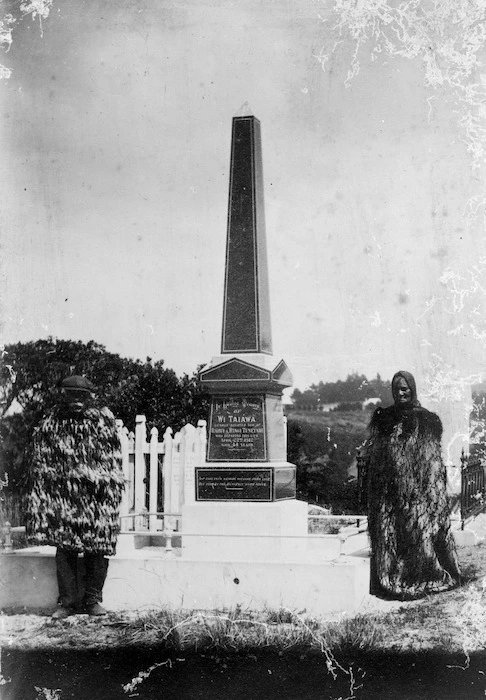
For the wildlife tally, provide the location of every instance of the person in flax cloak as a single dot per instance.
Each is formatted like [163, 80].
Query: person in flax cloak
[404, 484]
[76, 488]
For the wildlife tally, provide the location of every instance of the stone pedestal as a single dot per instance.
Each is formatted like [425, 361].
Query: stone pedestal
[247, 431]
[238, 531]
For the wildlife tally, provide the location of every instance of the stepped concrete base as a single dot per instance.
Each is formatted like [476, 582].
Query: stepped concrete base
[233, 531]
[144, 580]
[310, 548]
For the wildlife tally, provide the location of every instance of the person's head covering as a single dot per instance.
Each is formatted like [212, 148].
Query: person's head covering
[77, 383]
[402, 374]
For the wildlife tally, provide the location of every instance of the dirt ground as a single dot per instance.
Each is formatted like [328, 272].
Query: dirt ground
[452, 621]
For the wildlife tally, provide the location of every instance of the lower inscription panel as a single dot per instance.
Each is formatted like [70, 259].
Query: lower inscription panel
[264, 484]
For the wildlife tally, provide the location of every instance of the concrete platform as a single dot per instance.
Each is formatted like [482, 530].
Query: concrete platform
[145, 579]
[233, 531]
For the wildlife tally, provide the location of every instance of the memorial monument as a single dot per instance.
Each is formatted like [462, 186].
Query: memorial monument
[246, 487]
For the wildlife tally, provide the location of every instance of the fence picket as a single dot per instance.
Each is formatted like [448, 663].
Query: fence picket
[124, 442]
[140, 466]
[131, 471]
[188, 440]
[176, 473]
[154, 479]
[168, 471]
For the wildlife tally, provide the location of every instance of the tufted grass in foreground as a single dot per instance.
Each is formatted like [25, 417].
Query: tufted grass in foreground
[236, 631]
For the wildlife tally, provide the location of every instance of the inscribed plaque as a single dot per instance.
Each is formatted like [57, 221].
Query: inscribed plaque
[237, 429]
[233, 484]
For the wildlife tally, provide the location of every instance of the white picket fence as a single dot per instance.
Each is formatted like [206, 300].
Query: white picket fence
[160, 475]
[161, 478]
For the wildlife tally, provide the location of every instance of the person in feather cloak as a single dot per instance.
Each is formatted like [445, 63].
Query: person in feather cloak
[404, 484]
[76, 488]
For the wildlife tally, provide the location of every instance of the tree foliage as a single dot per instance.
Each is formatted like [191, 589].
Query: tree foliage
[31, 372]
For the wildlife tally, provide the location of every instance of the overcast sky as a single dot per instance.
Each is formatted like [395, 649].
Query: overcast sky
[115, 140]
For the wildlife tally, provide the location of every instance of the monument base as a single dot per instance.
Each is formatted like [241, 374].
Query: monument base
[145, 581]
[223, 531]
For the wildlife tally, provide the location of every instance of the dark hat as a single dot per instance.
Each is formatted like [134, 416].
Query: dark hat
[77, 383]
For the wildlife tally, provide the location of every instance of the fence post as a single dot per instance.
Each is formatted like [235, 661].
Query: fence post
[167, 471]
[168, 532]
[285, 433]
[177, 473]
[131, 471]
[7, 543]
[202, 441]
[361, 496]
[483, 467]
[154, 473]
[463, 487]
[123, 436]
[196, 457]
[183, 466]
[189, 456]
[140, 468]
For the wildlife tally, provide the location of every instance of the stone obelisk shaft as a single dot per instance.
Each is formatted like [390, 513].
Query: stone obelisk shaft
[246, 306]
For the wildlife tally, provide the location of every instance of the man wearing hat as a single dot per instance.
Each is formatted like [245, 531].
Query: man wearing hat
[76, 489]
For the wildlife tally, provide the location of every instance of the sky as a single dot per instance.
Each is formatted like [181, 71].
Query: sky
[115, 131]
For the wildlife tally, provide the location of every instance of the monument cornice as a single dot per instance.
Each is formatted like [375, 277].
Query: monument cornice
[234, 375]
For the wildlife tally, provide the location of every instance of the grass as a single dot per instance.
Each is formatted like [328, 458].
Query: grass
[237, 631]
[232, 630]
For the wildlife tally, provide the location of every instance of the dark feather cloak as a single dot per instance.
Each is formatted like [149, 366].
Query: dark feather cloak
[412, 548]
[76, 482]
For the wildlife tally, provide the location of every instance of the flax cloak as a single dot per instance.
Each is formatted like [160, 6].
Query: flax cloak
[412, 548]
[76, 482]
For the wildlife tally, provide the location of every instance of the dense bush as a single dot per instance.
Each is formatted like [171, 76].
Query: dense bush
[324, 450]
[31, 373]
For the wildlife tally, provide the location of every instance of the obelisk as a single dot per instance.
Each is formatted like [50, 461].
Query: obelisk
[246, 306]
[247, 486]
[245, 381]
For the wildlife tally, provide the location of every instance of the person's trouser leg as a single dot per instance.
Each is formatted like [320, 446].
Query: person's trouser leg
[67, 577]
[96, 568]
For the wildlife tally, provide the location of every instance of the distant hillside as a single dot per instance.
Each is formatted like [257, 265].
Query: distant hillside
[355, 389]
[323, 446]
[334, 419]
